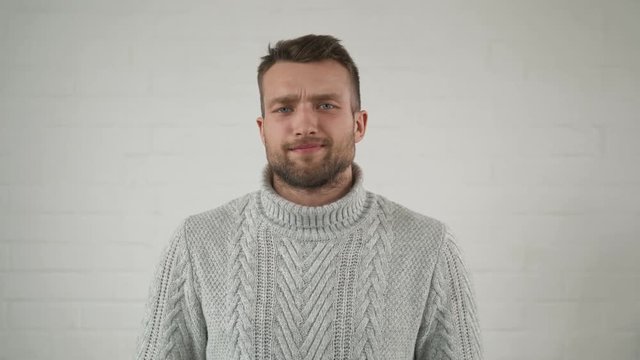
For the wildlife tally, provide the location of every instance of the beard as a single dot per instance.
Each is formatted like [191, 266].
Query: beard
[312, 173]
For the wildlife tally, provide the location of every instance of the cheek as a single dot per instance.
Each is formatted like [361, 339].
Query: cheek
[275, 128]
[273, 135]
[342, 130]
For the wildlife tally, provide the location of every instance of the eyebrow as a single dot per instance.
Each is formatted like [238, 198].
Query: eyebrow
[288, 99]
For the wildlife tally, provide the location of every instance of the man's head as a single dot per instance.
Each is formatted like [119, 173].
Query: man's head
[311, 117]
[306, 49]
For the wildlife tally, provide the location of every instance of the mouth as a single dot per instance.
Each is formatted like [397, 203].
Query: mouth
[307, 148]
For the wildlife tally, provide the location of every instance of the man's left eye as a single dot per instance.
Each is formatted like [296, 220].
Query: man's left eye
[326, 106]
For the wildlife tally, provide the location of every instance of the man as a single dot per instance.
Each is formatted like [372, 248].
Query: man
[312, 266]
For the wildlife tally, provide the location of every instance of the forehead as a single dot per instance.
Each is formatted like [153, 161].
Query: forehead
[285, 77]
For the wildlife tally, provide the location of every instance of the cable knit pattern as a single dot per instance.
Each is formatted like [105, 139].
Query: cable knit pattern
[241, 285]
[174, 324]
[263, 278]
[451, 316]
[343, 327]
[370, 296]
[305, 298]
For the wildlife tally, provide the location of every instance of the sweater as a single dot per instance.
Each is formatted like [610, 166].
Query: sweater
[264, 278]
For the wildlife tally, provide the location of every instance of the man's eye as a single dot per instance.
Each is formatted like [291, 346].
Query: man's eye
[284, 109]
[326, 106]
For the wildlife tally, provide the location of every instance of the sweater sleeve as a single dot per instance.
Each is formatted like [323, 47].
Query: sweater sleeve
[173, 325]
[450, 329]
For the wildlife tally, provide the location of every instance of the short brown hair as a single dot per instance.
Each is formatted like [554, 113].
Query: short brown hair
[310, 48]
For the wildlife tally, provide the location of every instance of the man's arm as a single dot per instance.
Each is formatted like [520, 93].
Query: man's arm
[450, 328]
[173, 326]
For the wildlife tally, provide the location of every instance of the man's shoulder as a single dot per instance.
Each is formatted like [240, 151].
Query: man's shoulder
[411, 222]
[222, 216]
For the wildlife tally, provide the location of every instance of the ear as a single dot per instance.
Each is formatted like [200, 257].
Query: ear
[360, 125]
[260, 123]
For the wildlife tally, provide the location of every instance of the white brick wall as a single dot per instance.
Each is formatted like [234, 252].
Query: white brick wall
[517, 122]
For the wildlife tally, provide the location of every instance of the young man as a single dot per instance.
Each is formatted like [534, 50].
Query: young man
[311, 266]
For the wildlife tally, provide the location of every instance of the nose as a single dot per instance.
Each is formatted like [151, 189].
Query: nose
[305, 121]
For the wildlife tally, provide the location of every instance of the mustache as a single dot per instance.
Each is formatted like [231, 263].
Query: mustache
[308, 140]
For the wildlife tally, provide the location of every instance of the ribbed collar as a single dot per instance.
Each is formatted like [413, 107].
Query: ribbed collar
[315, 222]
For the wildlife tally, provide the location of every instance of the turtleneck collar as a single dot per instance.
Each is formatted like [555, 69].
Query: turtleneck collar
[315, 222]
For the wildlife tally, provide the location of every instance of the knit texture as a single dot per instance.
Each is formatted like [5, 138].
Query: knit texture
[263, 278]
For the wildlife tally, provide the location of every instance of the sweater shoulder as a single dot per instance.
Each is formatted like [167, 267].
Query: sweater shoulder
[414, 227]
[216, 223]
[224, 210]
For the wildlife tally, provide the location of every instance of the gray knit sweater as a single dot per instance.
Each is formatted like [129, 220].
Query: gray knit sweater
[263, 278]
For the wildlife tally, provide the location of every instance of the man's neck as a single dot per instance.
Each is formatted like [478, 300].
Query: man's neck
[316, 197]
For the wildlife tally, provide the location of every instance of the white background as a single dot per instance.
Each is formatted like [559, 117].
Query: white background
[515, 122]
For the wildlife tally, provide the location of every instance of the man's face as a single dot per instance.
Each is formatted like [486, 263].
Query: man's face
[308, 129]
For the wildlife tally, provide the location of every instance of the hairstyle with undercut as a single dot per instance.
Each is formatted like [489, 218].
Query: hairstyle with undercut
[310, 48]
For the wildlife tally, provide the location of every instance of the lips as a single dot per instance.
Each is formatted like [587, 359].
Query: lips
[306, 146]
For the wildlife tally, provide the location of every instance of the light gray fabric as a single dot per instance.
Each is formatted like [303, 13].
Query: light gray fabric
[263, 278]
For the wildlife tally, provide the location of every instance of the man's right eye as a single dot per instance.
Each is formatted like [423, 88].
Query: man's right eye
[284, 109]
